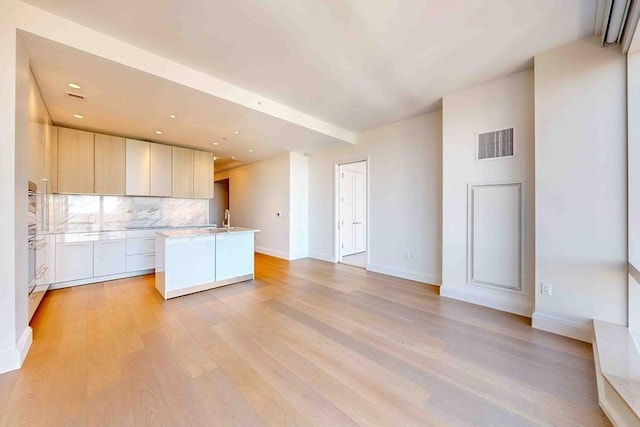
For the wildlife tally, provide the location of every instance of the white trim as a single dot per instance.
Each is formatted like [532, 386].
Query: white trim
[14, 358]
[519, 289]
[561, 326]
[503, 301]
[336, 206]
[322, 257]
[418, 276]
[272, 252]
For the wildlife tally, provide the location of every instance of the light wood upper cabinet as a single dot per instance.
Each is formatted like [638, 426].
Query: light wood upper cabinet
[82, 162]
[137, 167]
[160, 178]
[76, 156]
[51, 159]
[181, 172]
[202, 174]
[110, 155]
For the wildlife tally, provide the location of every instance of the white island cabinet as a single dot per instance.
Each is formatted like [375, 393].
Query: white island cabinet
[194, 260]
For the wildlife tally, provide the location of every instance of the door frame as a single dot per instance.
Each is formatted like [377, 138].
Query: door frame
[337, 250]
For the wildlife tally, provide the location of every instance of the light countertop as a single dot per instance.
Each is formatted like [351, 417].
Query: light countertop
[191, 232]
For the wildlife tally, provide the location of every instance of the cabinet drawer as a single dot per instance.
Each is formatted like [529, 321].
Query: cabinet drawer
[74, 261]
[141, 262]
[141, 245]
[109, 257]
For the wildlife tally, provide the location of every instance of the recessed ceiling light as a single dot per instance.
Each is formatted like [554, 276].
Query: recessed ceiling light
[236, 132]
[215, 143]
[74, 85]
[78, 116]
[215, 158]
[251, 151]
[233, 157]
[173, 116]
[159, 132]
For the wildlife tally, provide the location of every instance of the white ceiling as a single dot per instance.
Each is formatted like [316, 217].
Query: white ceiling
[124, 101]
[356, 64]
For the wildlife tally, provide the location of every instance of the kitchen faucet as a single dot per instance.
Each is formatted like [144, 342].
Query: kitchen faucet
[227, 219]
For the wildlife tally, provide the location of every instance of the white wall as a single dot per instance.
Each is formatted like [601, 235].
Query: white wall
[299, 204]
[15, 334]
[633, 132]
[219, 203]
[496, 105]
[581, 187]
[404, 198]
[257, 192]
[261, 190]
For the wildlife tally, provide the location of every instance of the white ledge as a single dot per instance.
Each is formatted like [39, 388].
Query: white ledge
[618, 373]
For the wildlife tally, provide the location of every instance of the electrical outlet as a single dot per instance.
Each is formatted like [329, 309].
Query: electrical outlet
[546, 289]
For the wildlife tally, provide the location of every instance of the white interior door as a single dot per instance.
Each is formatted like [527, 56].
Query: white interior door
[360, 211]
[347, 233]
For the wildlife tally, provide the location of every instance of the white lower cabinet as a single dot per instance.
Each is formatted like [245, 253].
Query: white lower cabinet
[191, 261]
[109, 257]
[141, 245]
[141, 262]
[234, 255]
[74, 261]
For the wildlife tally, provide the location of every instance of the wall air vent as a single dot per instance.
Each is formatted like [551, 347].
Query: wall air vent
[493, 145]
[76, 96]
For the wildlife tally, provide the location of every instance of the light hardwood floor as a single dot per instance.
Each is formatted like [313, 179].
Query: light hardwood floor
[306, 343]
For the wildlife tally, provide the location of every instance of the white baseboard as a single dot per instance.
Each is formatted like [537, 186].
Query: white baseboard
[509, 302]
[13, 359]
[322, 257]
[564, 327]
[272, 252]
[417, 276]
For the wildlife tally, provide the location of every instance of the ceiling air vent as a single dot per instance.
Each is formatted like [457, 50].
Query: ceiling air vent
[76, 96]
[493, 145]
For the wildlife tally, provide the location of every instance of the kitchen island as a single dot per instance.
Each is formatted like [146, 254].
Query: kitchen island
[194, 260]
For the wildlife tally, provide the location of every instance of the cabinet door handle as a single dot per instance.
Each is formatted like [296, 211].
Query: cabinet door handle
[74, 244]
[108, 242]
[150, 255]
[153, 238]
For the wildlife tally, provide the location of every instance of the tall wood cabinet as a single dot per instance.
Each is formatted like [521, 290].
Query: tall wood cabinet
[110, 154]
[181, 172]
[202, 174]
[51, 160]
[76, 156]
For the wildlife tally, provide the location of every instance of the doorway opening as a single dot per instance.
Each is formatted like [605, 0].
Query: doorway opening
[220, 202]
[352, 213]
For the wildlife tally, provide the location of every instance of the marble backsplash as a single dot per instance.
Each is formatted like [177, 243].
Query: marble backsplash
[79, 213]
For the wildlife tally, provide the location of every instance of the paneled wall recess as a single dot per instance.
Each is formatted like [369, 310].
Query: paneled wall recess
[495, 241]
